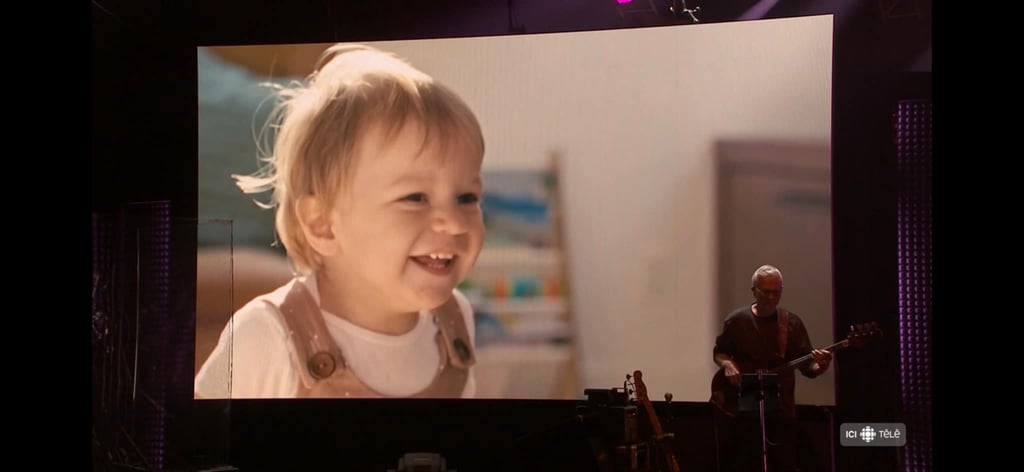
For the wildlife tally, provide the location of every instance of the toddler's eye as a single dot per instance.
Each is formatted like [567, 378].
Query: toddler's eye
[469, 198]
[415, 197]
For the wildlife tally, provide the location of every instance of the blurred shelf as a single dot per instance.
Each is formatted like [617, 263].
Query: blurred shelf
[518, 289]
[541, 306]
[519, 256]
[524, 352]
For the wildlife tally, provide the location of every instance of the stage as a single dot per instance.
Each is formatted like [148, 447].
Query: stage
[513, 435]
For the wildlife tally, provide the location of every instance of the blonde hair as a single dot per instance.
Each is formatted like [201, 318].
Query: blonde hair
[320, 121]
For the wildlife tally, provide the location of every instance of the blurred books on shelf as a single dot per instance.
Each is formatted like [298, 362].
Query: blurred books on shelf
[518, 296]
[517, 207]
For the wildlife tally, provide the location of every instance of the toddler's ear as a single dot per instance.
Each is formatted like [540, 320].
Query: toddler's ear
[315, 219]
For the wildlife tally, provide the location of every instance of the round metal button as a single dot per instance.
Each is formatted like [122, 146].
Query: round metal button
[322, 365]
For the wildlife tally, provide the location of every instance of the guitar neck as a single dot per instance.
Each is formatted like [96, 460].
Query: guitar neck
[800, 360]
[652, 416]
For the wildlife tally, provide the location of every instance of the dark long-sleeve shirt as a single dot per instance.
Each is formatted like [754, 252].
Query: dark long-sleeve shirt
[753, 343]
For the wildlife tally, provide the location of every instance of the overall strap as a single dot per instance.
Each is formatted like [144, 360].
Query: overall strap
[308, 332]
[454, 334]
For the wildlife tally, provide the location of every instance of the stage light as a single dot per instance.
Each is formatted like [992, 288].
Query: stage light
[679, 10]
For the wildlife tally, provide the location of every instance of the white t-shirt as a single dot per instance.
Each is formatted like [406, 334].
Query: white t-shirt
[252, 358]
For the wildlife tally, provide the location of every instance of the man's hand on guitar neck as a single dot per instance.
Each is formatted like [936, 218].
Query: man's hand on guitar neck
[822, 359]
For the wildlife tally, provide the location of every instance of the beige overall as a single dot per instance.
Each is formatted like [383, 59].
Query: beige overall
[322, 368]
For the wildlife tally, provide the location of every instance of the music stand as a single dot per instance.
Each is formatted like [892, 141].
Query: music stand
[751, 388]
[759, 393]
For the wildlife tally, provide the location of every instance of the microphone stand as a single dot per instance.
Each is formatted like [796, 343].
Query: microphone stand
[756, 388]
[761, 396]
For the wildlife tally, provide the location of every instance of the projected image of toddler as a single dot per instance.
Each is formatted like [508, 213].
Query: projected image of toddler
[374, 177]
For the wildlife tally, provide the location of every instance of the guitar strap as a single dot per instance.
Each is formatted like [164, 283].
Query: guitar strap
[783, 331]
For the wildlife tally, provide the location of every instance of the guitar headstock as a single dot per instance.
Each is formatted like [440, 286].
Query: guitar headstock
[862, 333]
[669, 458]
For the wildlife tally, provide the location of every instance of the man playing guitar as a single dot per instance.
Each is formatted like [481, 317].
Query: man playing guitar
[755, 338]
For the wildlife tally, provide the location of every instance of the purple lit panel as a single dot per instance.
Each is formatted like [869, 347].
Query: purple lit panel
[153, 237]
[914, 240]
[130, 319]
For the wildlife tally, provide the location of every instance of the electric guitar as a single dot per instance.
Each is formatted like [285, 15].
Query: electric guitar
[725, 395]
[665, 449]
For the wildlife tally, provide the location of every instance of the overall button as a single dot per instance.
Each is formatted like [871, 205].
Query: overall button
[322, 365]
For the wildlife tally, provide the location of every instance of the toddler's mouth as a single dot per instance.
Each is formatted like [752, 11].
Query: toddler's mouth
[437, 262]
